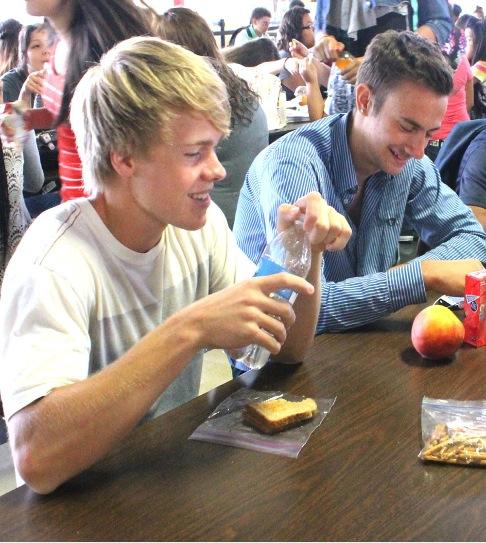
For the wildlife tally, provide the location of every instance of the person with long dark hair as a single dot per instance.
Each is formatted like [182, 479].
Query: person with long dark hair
[85, 30]
[461, 99]
[297, 25]
[476, 54]
[24, 82]
[9, 48]
[248, 122]
[33, 54]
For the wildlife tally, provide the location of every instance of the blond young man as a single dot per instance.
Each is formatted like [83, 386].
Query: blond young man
[110, 301]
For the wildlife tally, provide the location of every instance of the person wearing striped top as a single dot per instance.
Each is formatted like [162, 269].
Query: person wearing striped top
[369, 164]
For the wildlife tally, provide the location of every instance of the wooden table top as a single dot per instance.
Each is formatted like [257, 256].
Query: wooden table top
[357, 478]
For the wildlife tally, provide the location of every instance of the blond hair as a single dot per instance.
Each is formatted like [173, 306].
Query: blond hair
[125, 103]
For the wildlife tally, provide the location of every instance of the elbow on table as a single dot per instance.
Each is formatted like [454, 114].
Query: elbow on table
[35, 471]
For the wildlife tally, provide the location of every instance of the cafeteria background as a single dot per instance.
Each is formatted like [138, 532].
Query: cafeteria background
[213, 11]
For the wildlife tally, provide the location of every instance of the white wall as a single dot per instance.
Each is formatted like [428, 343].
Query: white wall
[16, 10]
[468, 6]
[235, 12]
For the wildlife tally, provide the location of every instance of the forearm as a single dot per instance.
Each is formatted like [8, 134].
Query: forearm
[323, 72]
[361, 300]
[301, 335]
[315, 102]
[465, 244]
[469, 95]
[480, 214]
[74, 426]
[270, 67]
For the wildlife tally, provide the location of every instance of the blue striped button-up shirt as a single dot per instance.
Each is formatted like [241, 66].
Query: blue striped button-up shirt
[359, 284]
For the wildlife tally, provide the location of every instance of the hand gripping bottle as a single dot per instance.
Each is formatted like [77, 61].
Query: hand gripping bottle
[12, 125]
[288, 252]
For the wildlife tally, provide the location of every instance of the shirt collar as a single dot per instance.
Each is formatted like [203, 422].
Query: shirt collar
[343, 172]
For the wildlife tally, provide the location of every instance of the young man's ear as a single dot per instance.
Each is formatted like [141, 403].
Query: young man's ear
[363, 98]
[123, 165]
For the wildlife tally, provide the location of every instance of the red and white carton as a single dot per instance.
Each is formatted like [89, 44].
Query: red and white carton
[475, 308]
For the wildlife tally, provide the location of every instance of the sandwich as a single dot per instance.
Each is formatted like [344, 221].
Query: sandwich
[272, 416]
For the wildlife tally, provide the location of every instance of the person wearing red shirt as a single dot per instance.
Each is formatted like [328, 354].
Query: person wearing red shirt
[85, 29]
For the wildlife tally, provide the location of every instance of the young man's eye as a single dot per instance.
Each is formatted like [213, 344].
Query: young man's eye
[406, 128]
[197, 154]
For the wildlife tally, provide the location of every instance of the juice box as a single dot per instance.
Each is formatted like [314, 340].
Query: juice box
[475, 308]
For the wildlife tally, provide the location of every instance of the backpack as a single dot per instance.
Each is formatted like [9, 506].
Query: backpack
[236, 32]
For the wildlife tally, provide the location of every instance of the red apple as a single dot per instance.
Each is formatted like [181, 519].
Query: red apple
[437, 332]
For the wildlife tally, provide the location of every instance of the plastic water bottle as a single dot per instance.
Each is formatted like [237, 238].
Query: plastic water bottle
[288, 252]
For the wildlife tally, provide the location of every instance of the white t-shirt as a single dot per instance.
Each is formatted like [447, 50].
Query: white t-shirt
[75, 299]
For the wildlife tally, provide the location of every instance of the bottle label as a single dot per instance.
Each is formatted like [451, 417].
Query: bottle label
[268, 267]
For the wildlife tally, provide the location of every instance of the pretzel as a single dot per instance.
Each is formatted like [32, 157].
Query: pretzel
[455, 447]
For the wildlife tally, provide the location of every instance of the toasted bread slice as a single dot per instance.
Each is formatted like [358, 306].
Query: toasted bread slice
[273, 416]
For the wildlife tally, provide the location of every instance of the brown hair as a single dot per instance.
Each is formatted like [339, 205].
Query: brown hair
[9, 44]
[291, 27]
[393, 57]
[185, 27]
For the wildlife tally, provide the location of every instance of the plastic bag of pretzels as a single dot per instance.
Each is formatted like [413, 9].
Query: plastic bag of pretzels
[454, 431]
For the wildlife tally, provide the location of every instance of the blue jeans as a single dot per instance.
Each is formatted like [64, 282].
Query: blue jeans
[40, 202]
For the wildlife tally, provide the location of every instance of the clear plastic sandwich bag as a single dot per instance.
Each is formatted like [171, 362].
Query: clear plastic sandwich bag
[225, 425]
[454, 431]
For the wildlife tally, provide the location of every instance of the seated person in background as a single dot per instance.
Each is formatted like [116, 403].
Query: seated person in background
[459, 103]
[22, 82]
[369, 164]
[85, 29]
[9, 44]
[479, 12]
[297, 25]
[255, 61]
[25, 82]
[462, 165]
[258, 27]
[109, 302]
[365, 20]
[249, 131]
[358, 25]
[476, 53]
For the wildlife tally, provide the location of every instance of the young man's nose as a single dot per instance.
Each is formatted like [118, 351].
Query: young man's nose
[214, 170]
[416, 146]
